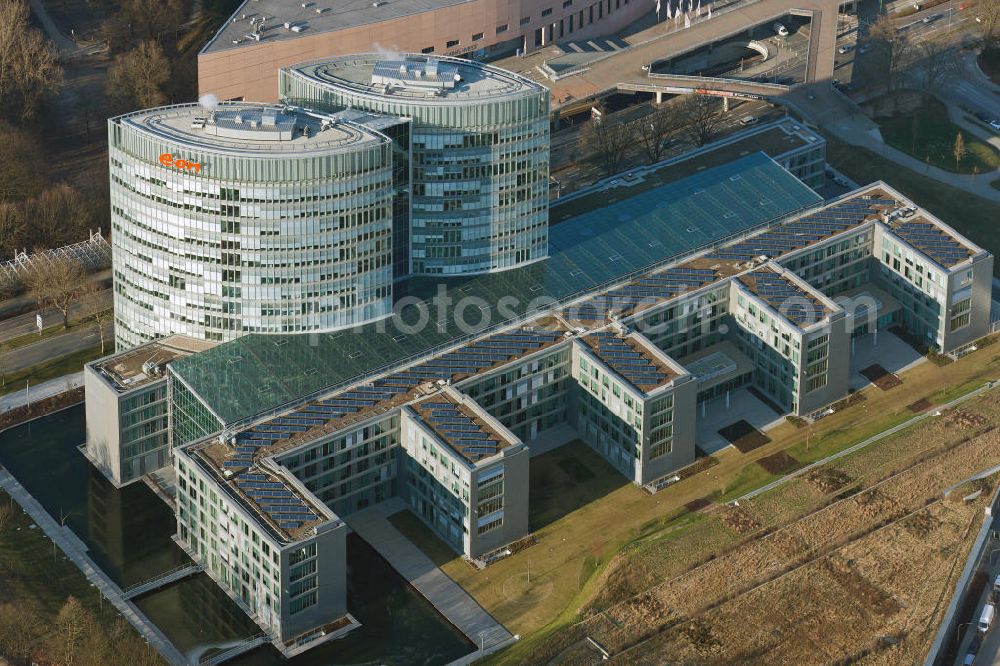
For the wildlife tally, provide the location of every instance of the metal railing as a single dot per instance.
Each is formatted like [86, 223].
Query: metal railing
[164, 578]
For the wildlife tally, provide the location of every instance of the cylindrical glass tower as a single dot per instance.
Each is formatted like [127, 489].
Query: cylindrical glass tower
[247, 218]
[480, 151]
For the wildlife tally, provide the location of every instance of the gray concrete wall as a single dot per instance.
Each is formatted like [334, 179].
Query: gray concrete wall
[103, 427]
[682, 451]
[838, 366]
[331, 575]
[515, 503]
[979, 325]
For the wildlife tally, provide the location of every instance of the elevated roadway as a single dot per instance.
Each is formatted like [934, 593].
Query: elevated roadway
[606, 74]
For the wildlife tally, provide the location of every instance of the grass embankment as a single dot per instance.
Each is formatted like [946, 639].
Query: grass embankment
[927, 134]
[38, 622]
[644, 539]
[971, 215]
[15, 381]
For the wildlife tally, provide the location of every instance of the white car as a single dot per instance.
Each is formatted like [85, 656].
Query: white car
[995, 124]
[846, 48]
[748, 120]
[781, 30]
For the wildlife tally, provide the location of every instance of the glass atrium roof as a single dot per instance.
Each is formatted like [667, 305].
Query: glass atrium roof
[258, 374]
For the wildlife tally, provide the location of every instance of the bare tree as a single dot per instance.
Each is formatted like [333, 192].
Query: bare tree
[93, 300]
[935, 65]
[609, 139]
[136, 78]
[699, 117]
[58, 283]
[655, 130]
[891, 50]
[958, 150]
[29, 68]
[987, 13]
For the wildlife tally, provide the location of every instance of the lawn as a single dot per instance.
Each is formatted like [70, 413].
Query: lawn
[971, 215]
[15, 381]
[35, 583]
[929, 135]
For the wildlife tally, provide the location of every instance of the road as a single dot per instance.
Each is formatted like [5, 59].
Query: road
[75, 340]
[15, 327]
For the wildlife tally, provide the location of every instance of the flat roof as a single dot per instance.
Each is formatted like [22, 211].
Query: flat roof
[460, 427]
[630, 359]
[257, 373]
[717, 363]
[147, 363]
[785, 296]
[416, 78]
[276, 504]
[931, 238]
[309, 18]
[250, 128]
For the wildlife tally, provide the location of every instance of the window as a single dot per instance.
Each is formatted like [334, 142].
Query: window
[476, 37]
[501, 29]
[547, 12]
[427, 49]
[303, 602]
[567, 3]
[525, 20]
[452, 43]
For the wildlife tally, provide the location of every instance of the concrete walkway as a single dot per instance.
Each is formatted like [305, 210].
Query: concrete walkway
[70, 545]
[444, 594]
[835, 113]
[46, 389]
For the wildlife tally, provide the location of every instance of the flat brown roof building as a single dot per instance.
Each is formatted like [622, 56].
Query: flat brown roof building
[242, 60]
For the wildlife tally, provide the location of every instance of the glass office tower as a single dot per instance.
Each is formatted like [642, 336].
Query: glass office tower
[480, 152]
[248, 218]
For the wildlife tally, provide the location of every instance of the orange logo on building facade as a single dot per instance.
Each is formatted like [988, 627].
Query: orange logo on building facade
[166, 159]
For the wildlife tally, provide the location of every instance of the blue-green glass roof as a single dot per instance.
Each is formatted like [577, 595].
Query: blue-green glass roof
[260, 373]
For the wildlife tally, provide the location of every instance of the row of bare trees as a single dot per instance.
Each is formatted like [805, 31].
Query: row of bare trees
[695, 117]
[76, 637]
[29, 66]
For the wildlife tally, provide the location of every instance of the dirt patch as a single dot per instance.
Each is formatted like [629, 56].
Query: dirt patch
[963, 419]
[697, 467]
[860, 588]
[828, 480]
[779, 463]
[744, 436]
[921, 405]
[740, 521]
[698, 504]
[881, 377]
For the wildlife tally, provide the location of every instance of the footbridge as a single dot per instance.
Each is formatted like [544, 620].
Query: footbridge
[166, 578]
[677, 84]
[624, 69]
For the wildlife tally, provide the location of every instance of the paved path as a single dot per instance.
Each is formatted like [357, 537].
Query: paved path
[69, 544]
[845, 120]
[871, 440]
[44, 390]
[445, 594]
[74, 340]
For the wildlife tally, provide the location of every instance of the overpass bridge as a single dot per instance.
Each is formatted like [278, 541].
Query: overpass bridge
[678, 84]
[623, 69]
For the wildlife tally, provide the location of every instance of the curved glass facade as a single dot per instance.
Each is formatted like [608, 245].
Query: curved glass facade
[480, 152]
[247, 219]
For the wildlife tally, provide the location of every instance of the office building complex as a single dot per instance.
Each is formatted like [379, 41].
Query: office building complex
[658, 307]
[242, 60]
[479, 152]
